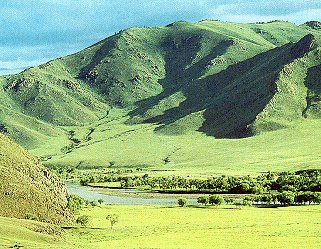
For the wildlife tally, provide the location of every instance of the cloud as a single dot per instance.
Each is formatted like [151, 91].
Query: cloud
[248, 11]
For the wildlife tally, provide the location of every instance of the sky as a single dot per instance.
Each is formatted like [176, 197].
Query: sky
[36, 31]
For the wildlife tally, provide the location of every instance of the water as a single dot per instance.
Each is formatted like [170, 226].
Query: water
[89, 193]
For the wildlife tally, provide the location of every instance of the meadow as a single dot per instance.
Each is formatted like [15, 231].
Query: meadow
[175, 227]
[116, 145]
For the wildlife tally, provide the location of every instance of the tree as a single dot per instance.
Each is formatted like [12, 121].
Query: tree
[286, 198]
[182, 202]
[216, 200]
[238, 204]
[93, 203]
[229, 200]
[75, 202]
[113, 218]
[203, 200]
[83, 220]
[267, 199]
[100, 201]
[317, 198]
[247, 203]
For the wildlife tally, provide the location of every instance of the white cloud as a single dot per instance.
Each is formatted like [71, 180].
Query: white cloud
[298, 17]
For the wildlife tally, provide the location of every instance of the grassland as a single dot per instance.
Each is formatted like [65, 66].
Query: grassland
[190, 227]
[18, 233]
[138, 146]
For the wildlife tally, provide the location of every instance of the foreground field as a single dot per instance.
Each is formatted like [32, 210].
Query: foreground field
[191, 227]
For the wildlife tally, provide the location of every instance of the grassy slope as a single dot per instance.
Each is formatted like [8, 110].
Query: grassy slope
[296, 147]
[27, 188]
[173, 227]
[28, 234]
[221, 79]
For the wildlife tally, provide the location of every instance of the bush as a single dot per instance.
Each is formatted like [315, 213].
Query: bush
[30, 216]
[202, 200]
[286, 198]
[83, 220]
[93, 203]
[216, 200]
[75, 202]
[182, 202]
[247, 203]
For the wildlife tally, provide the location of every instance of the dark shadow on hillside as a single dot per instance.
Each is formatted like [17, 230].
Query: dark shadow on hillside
[100, 54]
[180, 54]
[232, 98]
[313, 83]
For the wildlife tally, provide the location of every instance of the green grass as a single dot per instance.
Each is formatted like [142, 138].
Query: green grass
[137, 146]
[190, 227]
[28, 234]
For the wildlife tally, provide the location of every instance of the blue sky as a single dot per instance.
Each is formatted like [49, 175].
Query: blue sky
[35, 31]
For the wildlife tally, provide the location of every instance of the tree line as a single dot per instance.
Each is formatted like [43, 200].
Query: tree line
[300, 181]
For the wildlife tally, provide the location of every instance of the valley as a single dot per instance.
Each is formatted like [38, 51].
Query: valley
[160, 112]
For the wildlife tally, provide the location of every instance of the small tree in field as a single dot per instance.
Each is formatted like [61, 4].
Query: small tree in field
[216, 200]
[182, 202]
[100, 201]
[113, 218]
[83, 220]
[203, 200]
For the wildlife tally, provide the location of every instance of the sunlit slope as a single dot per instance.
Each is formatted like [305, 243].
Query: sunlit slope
[117, 145]
[27, 189]
[17, 233]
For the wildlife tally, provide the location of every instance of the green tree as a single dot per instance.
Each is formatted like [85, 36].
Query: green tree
[182, 202]
[203, 199]
[83, 220]
[100, 201]
[75, 202]
[216, 200]
[113, 218]
[286, 198]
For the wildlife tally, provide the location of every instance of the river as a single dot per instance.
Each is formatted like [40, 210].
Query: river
[90, 193]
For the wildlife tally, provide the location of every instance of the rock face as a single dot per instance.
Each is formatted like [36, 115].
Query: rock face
[27, 189]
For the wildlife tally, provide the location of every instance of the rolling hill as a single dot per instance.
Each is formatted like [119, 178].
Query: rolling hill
[27, 189]
[192, 93]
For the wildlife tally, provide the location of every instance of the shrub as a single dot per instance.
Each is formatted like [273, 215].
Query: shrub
[203, 200]
[93, 203]
[75, 202]
[286, 198]
[216, 200]
[30, 216]
[83, 220]
[247, 203]
[182, 202]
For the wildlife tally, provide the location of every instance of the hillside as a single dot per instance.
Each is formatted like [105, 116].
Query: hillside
[171, 85]
[27, 189]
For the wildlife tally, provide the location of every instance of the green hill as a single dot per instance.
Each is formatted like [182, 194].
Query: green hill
[146, 94]
[27, 189]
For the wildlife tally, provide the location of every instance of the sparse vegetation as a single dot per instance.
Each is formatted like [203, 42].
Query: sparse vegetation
[113, 219]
